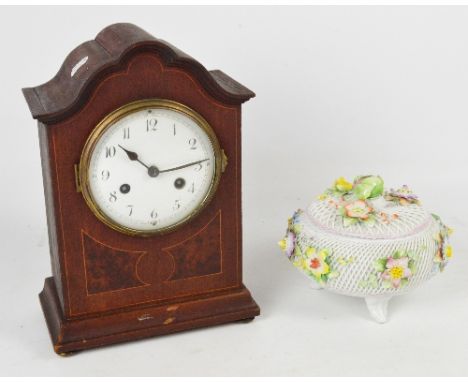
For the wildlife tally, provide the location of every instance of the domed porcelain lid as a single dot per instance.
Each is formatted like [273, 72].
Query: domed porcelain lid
[363, 209]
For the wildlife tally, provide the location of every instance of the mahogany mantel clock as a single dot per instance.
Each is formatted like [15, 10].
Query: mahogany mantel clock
[141, 158]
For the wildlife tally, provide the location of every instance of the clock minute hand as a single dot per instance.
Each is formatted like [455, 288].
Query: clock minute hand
[184, 165]
[133, 156]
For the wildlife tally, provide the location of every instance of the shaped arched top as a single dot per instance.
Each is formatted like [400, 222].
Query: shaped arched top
[83, 68]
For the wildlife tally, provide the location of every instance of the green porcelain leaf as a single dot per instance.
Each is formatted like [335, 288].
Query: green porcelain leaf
[348, 221]
[368, 187]
[333, 274]
[380, 264]
[411, 255]
[373, 281]
[297, 251]
[362, 191]
[398, 254]
[297, 228]
[362, 284]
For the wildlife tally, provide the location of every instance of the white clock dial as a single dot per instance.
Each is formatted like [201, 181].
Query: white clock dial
[151, 169]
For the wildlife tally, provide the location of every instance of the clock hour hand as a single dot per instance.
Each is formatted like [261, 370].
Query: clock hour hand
[184, 165]
[153, 171]
[133, 156]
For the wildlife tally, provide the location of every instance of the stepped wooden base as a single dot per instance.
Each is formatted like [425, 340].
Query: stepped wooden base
[69, 335]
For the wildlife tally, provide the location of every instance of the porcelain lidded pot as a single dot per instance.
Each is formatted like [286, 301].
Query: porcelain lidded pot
[360, 240]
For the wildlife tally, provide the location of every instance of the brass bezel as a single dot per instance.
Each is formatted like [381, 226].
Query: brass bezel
[122, 112]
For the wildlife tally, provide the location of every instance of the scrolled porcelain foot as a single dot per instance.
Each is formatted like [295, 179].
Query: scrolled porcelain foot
[377, 306]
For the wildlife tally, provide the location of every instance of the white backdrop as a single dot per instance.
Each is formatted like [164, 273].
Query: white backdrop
[340, 91]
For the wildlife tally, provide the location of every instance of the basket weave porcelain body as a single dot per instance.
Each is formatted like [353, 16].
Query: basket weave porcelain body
[358, 240]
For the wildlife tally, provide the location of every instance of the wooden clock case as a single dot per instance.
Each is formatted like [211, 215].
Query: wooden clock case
[108, 287]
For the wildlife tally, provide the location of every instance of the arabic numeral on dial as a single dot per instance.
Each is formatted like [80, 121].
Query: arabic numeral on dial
[176, 204]
[126, 133]
[154, 220]
[151, 124]
[110, 151]
[192, 143]
[113, 197]
[105, 174]
[198, 167]
[192, 188]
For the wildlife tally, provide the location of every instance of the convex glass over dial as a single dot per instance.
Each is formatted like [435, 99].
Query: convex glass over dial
[150, 166]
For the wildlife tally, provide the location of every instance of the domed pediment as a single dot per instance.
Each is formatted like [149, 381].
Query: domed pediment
[109, 52]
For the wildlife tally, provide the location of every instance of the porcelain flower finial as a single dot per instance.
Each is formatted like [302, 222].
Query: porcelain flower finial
[368, 186]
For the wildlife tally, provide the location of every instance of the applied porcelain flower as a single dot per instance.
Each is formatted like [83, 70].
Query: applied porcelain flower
[448, 251]
[340, 188]
[356, 211]
[314, 263]
[288, 243]
[342, 185]
[317, 262]
[396, 271]
[366, 187]
[403, 195]
[444, 250]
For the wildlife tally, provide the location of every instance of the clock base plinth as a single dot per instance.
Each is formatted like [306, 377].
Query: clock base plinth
[127, 324]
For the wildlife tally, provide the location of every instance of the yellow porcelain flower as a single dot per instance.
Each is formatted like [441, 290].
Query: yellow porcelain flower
[316, 262]
[301, 263]
[448, 251]
[322, 197]
[282, 244]
[342, 185]
[444, 250]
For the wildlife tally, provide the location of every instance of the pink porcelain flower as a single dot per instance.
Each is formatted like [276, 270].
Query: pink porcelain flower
[396, 270]
[358, 209]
